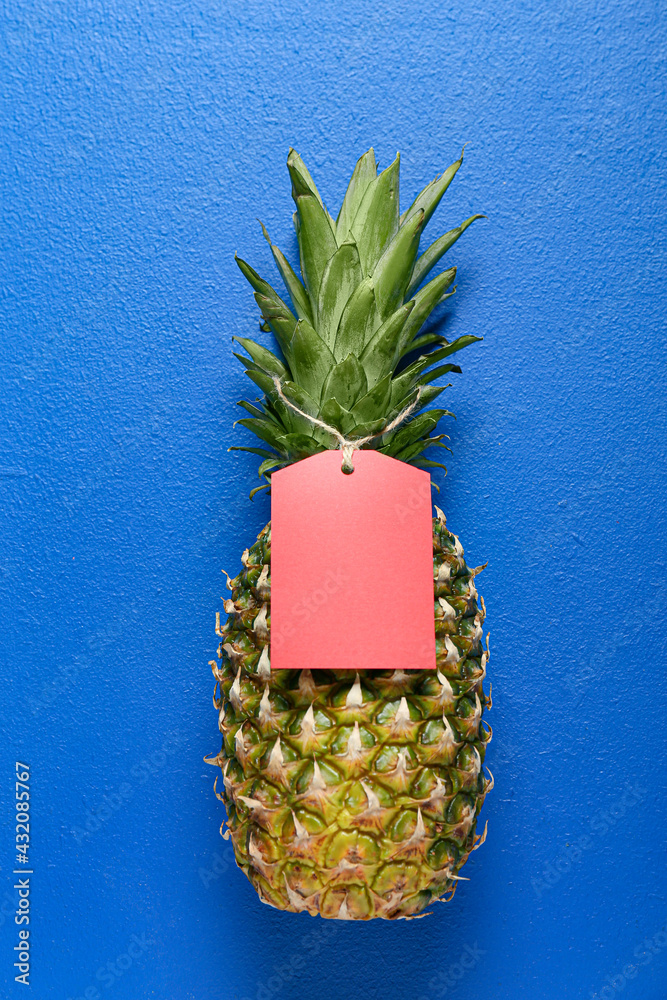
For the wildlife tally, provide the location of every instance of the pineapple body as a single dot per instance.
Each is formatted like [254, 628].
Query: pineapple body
[353, 796]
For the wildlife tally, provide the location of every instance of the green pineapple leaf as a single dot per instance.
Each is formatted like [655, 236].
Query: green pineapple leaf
[368, 427]
[281, 324]
[297, 292]
[376, 221]
[302, 182]
[379, 356]
[310, 359]
[357, 321]
[262, 357]
[393, 270]
[257, 375]
[364, 173]
[262, 452]
[425, 301]
[437, 441]
[265, 430]
[438, 373]
[341, 277]
[275, 312]
[428, 463]
[269, 464]
[275, 408]
[429, 198]
[426, 340]
[409, 453]
[415, 430]
[317, 242]
[375, 401]
[258, 489]
[301, 445]
[429, 393]
[337, 416]
[297, 394]
[431, 256]
[263, 288]
[250, 408]
[346, 382]
[421, 364]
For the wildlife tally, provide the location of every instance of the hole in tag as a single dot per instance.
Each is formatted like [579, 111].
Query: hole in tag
[347, 467]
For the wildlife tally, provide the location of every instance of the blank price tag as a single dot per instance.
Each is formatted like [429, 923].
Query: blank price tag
[351, 565]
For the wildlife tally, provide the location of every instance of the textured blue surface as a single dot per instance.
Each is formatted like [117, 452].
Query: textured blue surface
[139, 143]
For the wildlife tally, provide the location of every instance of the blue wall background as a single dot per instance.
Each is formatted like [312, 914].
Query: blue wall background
[139, 143]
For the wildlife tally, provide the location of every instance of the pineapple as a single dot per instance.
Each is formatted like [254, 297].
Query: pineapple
[353, 796]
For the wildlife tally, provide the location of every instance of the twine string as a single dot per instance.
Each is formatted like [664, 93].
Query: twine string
[349, 445]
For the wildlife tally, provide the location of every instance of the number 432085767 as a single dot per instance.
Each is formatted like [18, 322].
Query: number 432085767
[22, 810]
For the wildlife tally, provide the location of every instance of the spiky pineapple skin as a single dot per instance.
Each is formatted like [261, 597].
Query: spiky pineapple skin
[353, 797]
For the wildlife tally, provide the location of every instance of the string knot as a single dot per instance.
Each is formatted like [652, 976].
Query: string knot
[348, 445]
[348, 450]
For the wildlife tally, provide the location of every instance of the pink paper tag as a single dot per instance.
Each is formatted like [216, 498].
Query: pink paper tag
[351, 565]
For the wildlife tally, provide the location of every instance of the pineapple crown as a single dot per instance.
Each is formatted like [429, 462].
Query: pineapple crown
[354, 356]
